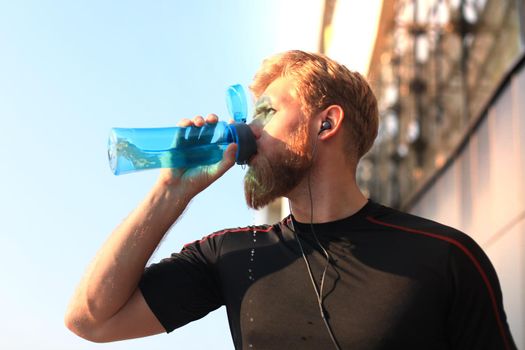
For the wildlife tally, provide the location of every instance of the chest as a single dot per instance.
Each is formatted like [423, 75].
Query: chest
[272, 303]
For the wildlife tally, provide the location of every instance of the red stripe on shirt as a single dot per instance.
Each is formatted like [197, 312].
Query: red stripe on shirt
[470, 256]
[220, 233]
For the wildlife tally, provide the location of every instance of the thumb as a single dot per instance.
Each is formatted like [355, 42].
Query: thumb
[230, 153]
[228, 160]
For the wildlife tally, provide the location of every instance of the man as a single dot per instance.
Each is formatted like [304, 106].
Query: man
[342, 272]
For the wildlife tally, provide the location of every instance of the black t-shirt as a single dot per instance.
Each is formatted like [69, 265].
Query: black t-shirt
[396, 281]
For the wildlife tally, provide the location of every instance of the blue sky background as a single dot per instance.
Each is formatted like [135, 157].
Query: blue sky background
[71, 70]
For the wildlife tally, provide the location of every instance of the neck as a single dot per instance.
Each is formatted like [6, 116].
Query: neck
[332, 199]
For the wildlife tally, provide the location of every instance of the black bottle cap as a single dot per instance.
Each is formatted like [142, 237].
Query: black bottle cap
[247, 145]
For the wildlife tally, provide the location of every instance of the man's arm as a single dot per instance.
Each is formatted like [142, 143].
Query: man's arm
[107, 304]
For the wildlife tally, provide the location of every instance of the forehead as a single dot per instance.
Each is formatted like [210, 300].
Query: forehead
[282, 91]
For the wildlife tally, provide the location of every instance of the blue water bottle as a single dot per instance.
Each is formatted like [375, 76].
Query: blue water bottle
[134, 149]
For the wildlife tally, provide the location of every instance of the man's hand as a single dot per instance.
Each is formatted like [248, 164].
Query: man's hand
[191, 181]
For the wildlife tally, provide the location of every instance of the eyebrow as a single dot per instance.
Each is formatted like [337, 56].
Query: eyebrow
[263, 100]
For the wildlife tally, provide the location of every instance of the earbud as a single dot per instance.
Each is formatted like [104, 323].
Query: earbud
[325, 126]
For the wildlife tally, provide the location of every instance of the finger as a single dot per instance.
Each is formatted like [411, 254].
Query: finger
[231, 121]
[198, 121]
[212, 118]
[184, 122]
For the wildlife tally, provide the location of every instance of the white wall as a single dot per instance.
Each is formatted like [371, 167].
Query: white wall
[483, 194]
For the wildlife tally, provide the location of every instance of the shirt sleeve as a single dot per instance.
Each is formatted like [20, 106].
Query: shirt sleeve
[476, 319]
[184, 287]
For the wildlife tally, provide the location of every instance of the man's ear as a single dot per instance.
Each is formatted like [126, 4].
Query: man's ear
[330, 121]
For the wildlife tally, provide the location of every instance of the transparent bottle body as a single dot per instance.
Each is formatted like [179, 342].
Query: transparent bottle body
[134, 149]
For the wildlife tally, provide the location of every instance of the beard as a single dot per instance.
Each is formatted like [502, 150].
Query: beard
[275, 176]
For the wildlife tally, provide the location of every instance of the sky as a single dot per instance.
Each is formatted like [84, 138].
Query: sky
[69, 72]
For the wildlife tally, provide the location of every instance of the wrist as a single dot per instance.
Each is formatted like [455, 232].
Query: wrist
[172, 190]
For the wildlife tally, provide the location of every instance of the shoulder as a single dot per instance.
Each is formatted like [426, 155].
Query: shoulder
[229, 234]
[238, 231]
[433, 236]
[398, 222]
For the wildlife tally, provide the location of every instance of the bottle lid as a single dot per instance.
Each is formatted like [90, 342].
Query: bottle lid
[237, 104]
[247, 146]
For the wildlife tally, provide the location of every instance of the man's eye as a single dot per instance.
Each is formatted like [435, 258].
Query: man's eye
[264, 113]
